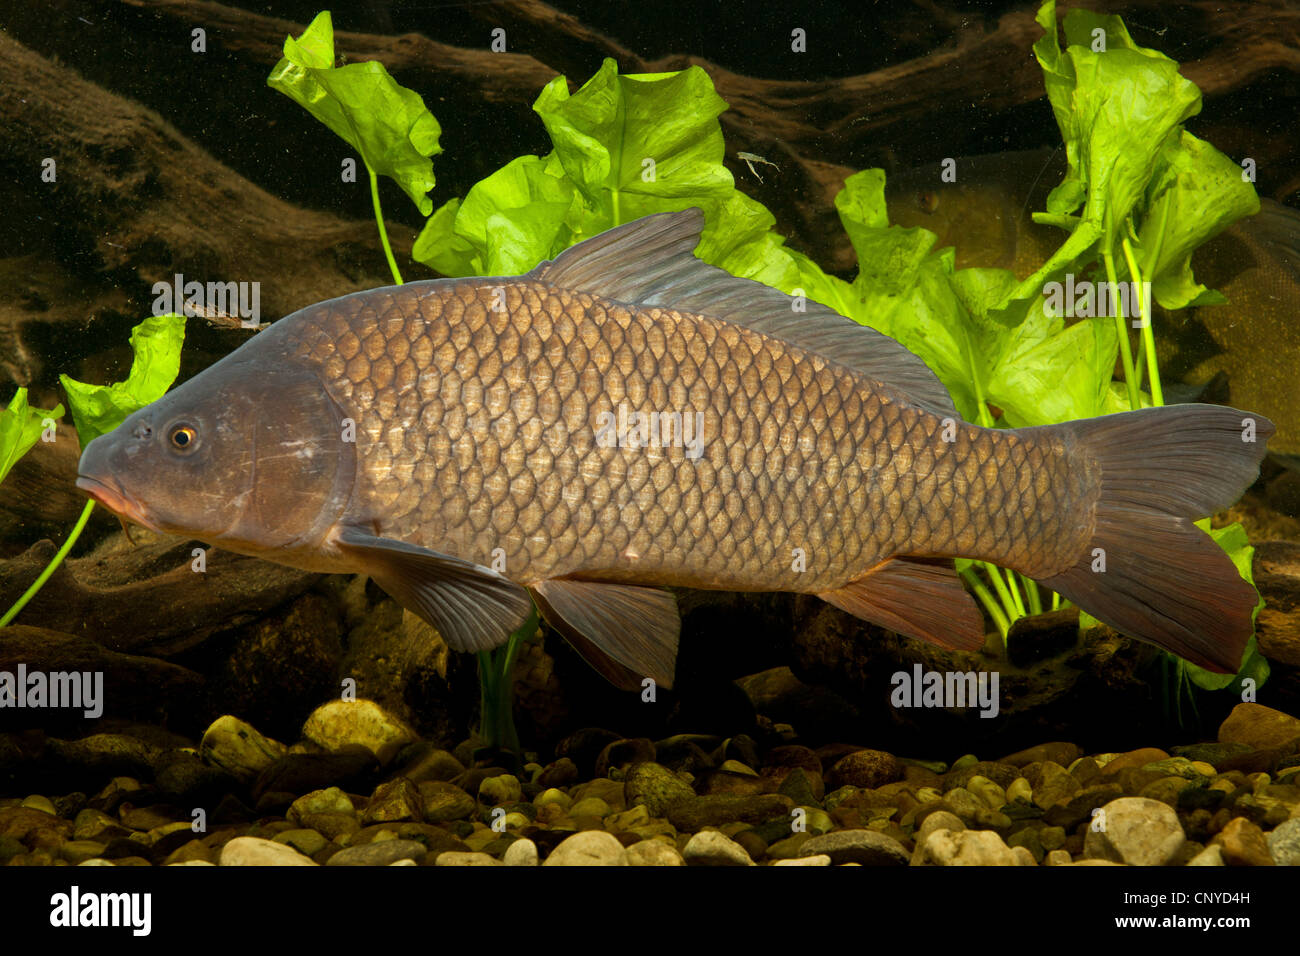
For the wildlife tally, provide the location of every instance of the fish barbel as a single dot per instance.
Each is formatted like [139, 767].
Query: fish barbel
[627, 417]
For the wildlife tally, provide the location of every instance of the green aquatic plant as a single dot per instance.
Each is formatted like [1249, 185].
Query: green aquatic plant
[1140, 196]
[387, 124]
[21, 427]
[98, 409]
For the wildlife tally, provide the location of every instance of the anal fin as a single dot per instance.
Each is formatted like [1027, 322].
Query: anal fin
[915, 597]
[627, 633]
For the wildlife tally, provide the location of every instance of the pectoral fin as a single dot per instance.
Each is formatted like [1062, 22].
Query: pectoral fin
[474, 608]
[917, 598]
[626, 633]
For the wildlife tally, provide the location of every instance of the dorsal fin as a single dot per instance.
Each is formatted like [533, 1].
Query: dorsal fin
[651, 262]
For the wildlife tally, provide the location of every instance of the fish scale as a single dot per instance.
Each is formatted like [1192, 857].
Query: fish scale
[495, 413]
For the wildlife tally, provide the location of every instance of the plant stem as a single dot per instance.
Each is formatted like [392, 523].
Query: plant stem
[1121, 327]
[995, 576]
[1148, 333]
[496, 686]
[990, 603]
[1031, 591]
[50, 568]
[379, 219]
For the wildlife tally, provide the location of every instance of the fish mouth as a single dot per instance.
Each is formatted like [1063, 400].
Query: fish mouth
[114, 499]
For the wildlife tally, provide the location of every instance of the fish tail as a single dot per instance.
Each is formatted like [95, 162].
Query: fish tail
[1147, 570]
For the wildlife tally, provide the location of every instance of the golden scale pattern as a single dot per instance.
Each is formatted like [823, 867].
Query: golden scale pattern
[476, 430]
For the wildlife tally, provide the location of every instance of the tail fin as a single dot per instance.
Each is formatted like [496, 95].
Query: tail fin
[1166, 581]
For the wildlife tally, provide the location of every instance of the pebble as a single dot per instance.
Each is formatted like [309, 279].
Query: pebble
[1243, 844]
[504, 788]
[78, 851]
[329, 800]
[620, 754]
[333, 826]
[1212, 855]
[393, 801]
[964, 848]
[590, 806]
[237, 748]
[711, 848]
[1023, 857]
[994, 797]
[254, 851]
[939, 820]
[445, 802]
[638, 816]
[1211, 753]
[306, 842]
[868, 847]
[461, 858]
[1020, 791]
[1133, 759]
[1059, 752]
[865, 768]
[97, 825]
[653, 853]
[589, 848]
[820, 859]
[700, 812]
[342, 723]
[1137, 831]
[38, 802]
[1284, 843]
[1261, 728]
[1056, 858]
[1178, 767]
[523, 852]
[379, 853]
[431, 764]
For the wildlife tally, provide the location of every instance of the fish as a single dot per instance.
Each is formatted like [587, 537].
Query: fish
[476, 445]
[1252, 343]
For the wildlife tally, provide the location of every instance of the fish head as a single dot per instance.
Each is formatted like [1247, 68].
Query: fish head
[251, 455]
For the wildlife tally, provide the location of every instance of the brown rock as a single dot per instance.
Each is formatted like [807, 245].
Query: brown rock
[1260, 727]
[1243, 844]
[1060, 752]
[865, 768]
[396, 800]
[1132, 759]
[33, 827]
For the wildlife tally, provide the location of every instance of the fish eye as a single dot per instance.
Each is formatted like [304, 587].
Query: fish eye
[183, 437]
[928, 201]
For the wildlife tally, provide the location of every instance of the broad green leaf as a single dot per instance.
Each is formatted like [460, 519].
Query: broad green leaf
[508, 222]
[635, 145]
[1195, 194]
[441, 248]
[1116, 108]
[20, 427]
[1051, 372]
[98, 409]
[387, 124]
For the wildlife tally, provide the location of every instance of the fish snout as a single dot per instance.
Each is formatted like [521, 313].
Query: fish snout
[95, 476]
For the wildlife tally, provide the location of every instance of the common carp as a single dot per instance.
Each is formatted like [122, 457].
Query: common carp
[627, 417]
